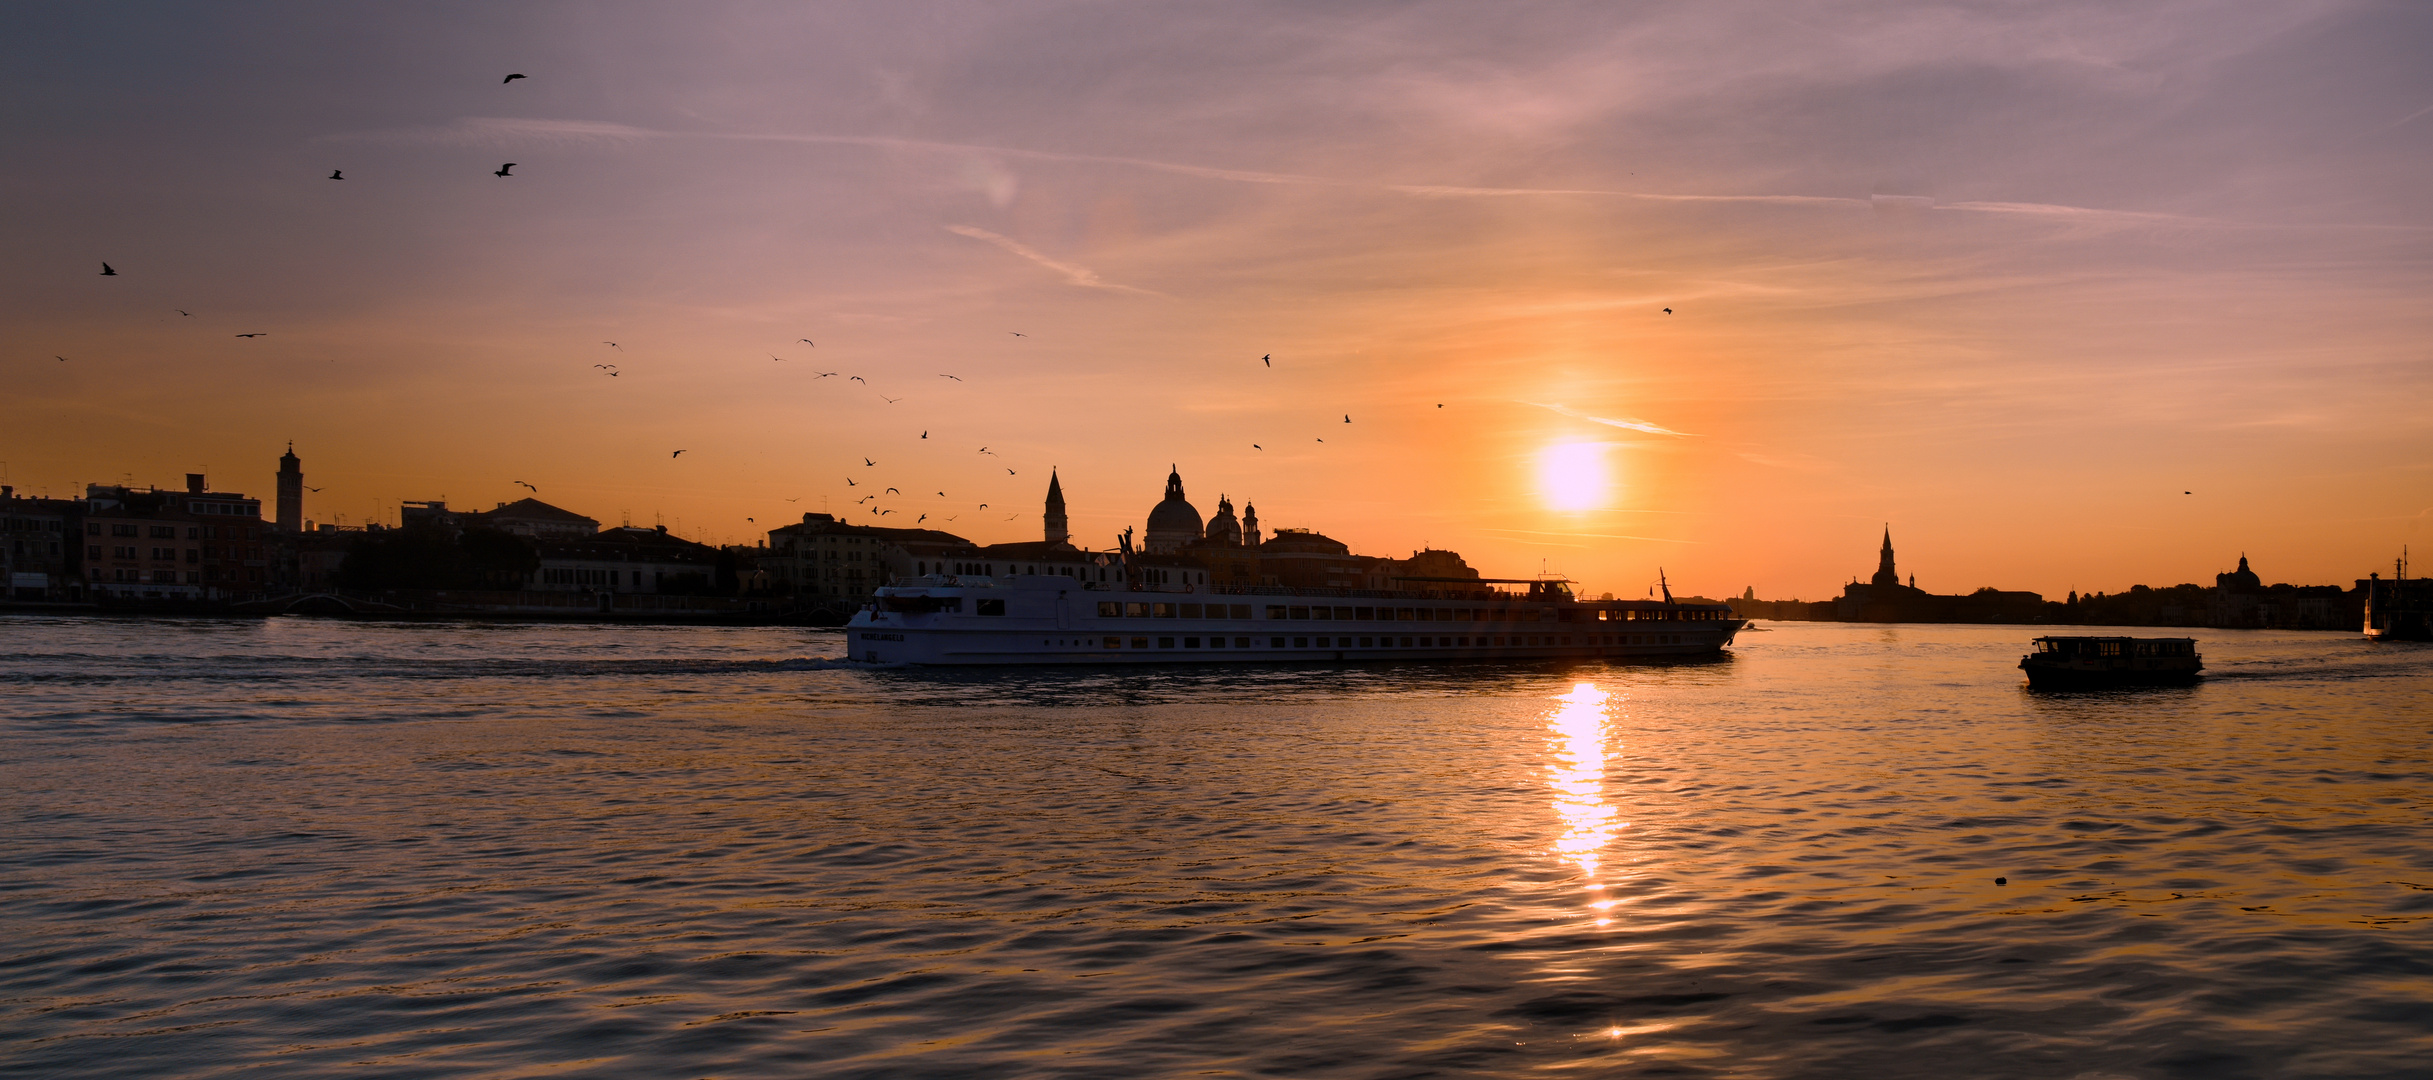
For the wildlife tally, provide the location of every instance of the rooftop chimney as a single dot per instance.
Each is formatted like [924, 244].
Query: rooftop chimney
[194, 483]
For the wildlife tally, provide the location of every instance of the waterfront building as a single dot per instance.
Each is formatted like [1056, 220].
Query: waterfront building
[38, 548]
[532, 518]
[626, 559]
[1173, 522]
[832, 564]
[166, 545]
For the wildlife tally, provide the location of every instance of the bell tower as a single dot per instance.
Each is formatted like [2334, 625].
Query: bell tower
[291, 491]
[1057, 534]
[1884, 573]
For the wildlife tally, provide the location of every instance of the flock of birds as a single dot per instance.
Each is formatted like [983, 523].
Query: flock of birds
[506, 171]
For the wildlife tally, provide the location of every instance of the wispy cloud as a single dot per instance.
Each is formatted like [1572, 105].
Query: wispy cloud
[1591, 536]
[506, 133]
[1610, 421]
[1078, 275]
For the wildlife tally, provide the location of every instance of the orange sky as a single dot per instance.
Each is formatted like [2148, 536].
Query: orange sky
[2009, 280]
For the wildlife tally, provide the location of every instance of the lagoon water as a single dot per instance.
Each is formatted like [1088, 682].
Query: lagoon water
[314, 848]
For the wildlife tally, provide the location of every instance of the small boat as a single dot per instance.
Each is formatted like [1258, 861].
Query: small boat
[2111, 661]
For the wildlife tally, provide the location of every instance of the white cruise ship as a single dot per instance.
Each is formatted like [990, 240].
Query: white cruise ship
[1044, 619]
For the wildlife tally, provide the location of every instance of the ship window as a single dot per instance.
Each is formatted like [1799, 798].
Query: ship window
[1321, 611]
[1237, 611]
[1140, 643]
[1368, 643]
[1162, 611]
[1114, 643]
[1165, 643]
[1191, 611]
[1300, 643]
[1404, 614]
[992, 607]
[1300, 612]
[1275, 643]
[1276, 611]
[1137, 611]
[1364, 614]
[1241, 643]
[1343, 613]
[1109, 609]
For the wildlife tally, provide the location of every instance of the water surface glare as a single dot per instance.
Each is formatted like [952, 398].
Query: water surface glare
[313, 848]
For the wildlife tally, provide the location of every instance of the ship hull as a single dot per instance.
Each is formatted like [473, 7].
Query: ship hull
[1055, 621]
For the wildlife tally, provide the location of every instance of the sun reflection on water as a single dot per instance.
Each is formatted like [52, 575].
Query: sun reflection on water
[1576, 771]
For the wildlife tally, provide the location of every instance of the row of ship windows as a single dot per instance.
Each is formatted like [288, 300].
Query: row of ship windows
[168, 577]
[1387, 642]
[1111, 609]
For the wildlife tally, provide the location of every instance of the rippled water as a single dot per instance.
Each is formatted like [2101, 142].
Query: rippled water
[316, 848]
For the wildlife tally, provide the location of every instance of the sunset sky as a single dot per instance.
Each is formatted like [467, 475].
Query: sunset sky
[2070, 295]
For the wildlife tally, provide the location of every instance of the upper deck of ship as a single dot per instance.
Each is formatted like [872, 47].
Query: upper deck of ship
[1480, 590]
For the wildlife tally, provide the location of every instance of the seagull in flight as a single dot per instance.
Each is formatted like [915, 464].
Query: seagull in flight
[1017, 333]
[502, 170]
[779, 359]
[849, 482]
[870, 463]
[606, 367]
[920, 519]
[884, 513]
[1347, 418]
[863, 499]
[614, 345]
[1256, 446]
[797, 498]
[309, 487]
[534, 490]
[1269, 359]
[512, 78]
[254, 335]
[59, 358]
[1668, 311]
[941, 494]
[823, 374]
[983, 506]
[678, 453]
[889, 400]
[337, 174]
[1009, 472]
[892, 491]
[858, 379]
[107, 272]
[956, 378]
[183, 311]
[984, 450]
[924, 434]
[808, 341]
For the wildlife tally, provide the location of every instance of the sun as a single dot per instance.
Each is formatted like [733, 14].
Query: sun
[1572, 476]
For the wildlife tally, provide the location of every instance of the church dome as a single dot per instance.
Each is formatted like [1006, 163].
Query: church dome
[1223, 528]
[1174, 521]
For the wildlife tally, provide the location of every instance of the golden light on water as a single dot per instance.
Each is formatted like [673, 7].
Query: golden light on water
[1576, 732]
[1572, 476]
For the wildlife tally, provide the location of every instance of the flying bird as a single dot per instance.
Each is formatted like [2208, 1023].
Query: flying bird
[1009, 472]
[858, 379]
[1322, 440]
[606, 367]
[59, 358]
[889, 400]
[956, 378]
[823, 374]
[1347, 418]
[337, 174]
[983, 506]
[868, 462]
[183, 311]
[753, 522]
[779, 359]
[309, 487]
[920, 519]
[892, 491]
[1256, 446]
[1017, 333]
[511, 78]
[808, 341]
[1668, 311]
[984, 450]
[924, 434]
[863, 499]
[1269, 360]
[941, 494]
[1440, 405]
[107, 272]
[797, 498]
[254, 335]
[678, 453]
[849, 482]
[2187, 493]
[1010, 517]
[502, 170]
[884, 513]
[534, 490]
[614, 345]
